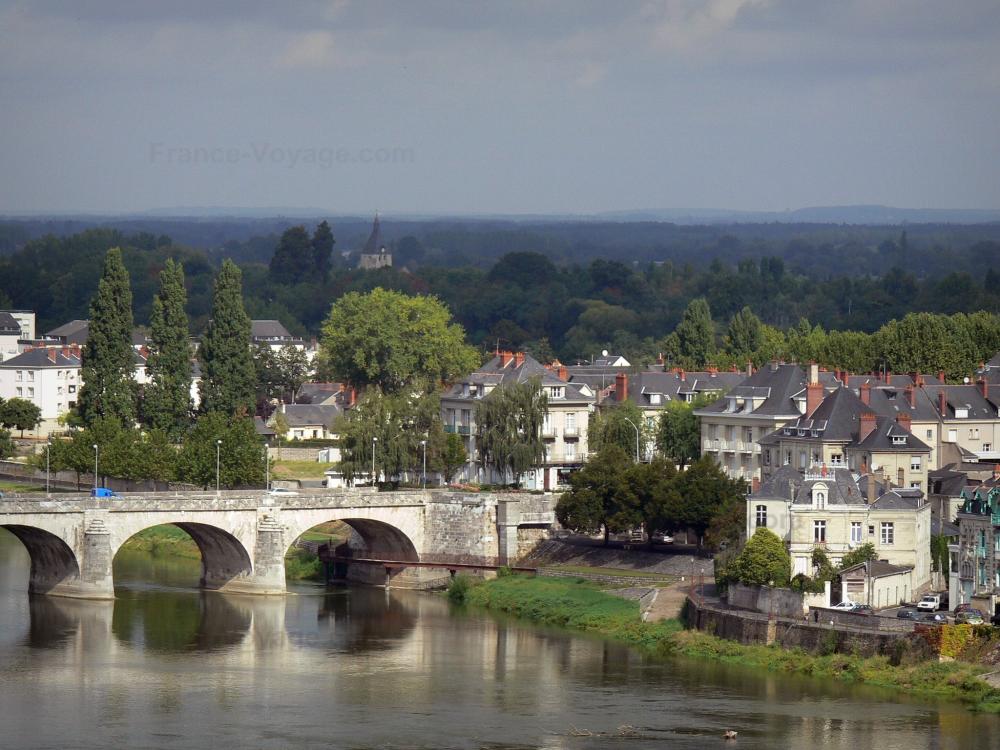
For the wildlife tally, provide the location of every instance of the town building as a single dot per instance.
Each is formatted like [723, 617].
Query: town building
[653, 390]
[374, 255]
[307, 421]
[10, 333]
[47, 377]
[565, 424]
[979, 545]
[969, 416]
[832, 511]
[274, 335]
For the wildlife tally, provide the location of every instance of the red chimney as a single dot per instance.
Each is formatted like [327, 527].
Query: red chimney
[659, 358]
[943, 403]
[903, 420]
[733, 368]
[749, 368]
[52, 355]
[911, 396]
[505, 358]
[755, 485]
[814, 397]
[681, 373]
[984, 387]
[836, 374]
[352, 395]
[941, 376]
[621, 386]
[562, 372]
[919, 380]
[846, 376]
[518, 359]
[866, 393]
[868, 422]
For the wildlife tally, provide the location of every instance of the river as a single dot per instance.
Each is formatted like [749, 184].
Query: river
[167, 666]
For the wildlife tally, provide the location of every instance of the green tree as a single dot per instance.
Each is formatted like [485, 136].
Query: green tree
[858, 555]
[240, 453]
[227, 369]
[696, 334]
[602, 495]
[293, 369]
[764, 561]
[656, 488]
[7, 446]
[108, 367]
[157, 457]
[705, 493]
[453, 457]
[509, 428]
[19, 413]
[167, 399]
[679, 433]
[745, 335]
[390, 339]
[322, 247]
[617, 425]
[295, 259]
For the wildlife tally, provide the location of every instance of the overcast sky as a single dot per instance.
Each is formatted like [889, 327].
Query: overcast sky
[568, 106]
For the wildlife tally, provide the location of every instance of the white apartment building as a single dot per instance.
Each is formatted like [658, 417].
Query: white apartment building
[47, 377]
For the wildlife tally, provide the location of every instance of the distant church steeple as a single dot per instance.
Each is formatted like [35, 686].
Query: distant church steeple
[374, 254]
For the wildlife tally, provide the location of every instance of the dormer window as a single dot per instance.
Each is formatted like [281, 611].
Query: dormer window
[654, 398]
[556, 392]
[899, 439]
[787, 430]
[962, 412]
[819, 495]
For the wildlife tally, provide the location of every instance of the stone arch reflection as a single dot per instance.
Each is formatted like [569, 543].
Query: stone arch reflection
[170, 621]
[357, 619]
[52, 560]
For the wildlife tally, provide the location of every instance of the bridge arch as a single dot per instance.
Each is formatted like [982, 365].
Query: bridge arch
[53, 562]
[224, 559]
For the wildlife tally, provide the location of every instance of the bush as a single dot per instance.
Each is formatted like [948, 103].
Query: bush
[458, 589]
[763, 561]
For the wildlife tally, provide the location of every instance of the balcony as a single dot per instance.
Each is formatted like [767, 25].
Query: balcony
[711, 444]
[548, 432]
[729, 445]
[570, 433]
[461, 429]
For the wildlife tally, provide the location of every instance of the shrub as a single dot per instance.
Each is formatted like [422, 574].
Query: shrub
[458, 589]
[763, 561]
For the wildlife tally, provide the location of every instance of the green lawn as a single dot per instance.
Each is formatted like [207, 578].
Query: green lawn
[623, 572]
[6, 486]
[300, 469]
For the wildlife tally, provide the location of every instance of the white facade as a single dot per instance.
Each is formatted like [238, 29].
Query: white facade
[48, 378]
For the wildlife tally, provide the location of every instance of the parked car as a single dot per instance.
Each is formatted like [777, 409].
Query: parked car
[281, 491]
[965, 607]
[863, 609]
[908, 613]
[970, 617]
[931, 603]
[663, 538]
[102, 492]
[936, 618]
[845, 606]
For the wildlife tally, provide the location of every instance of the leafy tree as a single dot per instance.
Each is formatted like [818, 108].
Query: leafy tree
[241, 454]
[7, 446]
[601, 494]
[157, 457]
[696, 334]
[745, 335]
[108, 366]
[454, 456]
[617, 425]
[679, 433]
[389, 339]
[705, 492]
[398, 422]
[940, 557]
[861, 554]
[227, 370]
[267, 373]
[167, 400]
[926, 342]
[293, 369]
[763, 561]
[509, 428]
[655, 487]
[295, 258]
[322, 247]
[20, 414]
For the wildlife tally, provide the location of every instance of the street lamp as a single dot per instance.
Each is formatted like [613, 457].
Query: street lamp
[218, 450]
[48, 448]
[95, 467]
[374, 440]
[267, 467]
[636, 437]
[423, 477]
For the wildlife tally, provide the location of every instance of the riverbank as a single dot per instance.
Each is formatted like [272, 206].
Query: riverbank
[578, 605]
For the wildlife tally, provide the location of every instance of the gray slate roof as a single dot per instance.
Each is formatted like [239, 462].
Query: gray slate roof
[9, 325]
[308, 415]
[374, 245]
[268, 329]
[35, 359]
[493, 373]
[965, 396]
[672, 387]
[878, 569]
[780, 382]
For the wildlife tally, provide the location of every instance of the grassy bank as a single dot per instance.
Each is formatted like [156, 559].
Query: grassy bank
[164, 541]
[581, 606]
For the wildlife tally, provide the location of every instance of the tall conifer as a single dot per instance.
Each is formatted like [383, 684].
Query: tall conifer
[167, 404]
[108, 368]
[227, 370]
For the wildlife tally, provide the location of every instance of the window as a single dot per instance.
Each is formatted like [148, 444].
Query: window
[930, 434]
[973, 433]
[767, 457]
[819, 532]
[748, 434]
[788, 457]
[952, 436]
[20, 376]
[571, 421]
[855, 532]
[31, 375]
[914, 463]
[987, 447]
[556, 392]
[888, 532]
[836, 459]
[570, 451]
[761, 516]
[654, 399]
[31, 393]
[72, 389]
[802, 459]
[20, 392]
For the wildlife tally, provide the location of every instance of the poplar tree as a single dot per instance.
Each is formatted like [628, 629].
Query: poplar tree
[227, 369]
[108, 367]
[167, 403]
[322, 247]
[696, 333]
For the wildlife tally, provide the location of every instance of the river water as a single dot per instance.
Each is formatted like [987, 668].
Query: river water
[166, 666]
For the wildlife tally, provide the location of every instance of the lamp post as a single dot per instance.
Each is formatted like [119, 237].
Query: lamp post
[636, 437]
[48, 448]
[95, 467]
[267, 467]
[374, 440]
[423, 476]
[218, 451]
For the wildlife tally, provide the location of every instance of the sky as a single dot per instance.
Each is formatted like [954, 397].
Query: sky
[503, 107]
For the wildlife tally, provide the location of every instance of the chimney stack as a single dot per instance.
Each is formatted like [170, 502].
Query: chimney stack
[749, 368]
[813, 372]
[911, 396]
[621, 386]
[563, 373]
[871, 488]
[52, 355]
[659, 358]
[941, 376]
[904, 421]
[919, 380]
[984, 387]
[518, 359]
[865, 392]
[814, 397]
[505, 358]
[681, 373]
[943, 403]
[868, 423]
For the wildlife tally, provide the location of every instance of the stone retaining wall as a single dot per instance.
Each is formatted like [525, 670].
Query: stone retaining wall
[600, 578]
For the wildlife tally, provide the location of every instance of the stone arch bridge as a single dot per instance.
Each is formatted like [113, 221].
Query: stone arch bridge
[243, 535]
